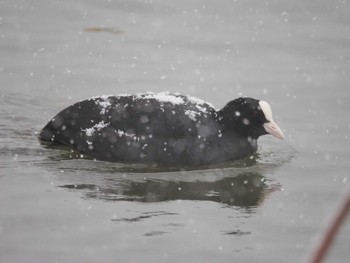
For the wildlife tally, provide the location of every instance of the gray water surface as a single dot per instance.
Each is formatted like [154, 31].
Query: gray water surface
[269, 207]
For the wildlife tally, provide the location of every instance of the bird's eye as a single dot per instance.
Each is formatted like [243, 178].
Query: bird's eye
[255, 113]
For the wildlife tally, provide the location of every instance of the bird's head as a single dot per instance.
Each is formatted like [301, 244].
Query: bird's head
[249, 118]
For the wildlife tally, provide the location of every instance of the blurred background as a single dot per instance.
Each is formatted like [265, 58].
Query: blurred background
[271, 207]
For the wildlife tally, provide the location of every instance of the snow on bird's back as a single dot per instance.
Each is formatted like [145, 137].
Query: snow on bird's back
[163, 97]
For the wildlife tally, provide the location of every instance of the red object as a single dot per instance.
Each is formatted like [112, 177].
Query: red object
[328, 237]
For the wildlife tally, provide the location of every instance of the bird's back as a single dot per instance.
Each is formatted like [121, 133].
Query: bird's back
[162, 128]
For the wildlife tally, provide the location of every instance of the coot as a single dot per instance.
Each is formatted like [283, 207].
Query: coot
[164, 128]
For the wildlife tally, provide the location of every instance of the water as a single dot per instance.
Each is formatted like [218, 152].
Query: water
[295, 55]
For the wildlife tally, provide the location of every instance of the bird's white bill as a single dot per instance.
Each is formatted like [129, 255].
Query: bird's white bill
[273, 129]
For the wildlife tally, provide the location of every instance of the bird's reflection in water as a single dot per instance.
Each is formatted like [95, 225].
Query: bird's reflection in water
[245, 190]
[240, 183]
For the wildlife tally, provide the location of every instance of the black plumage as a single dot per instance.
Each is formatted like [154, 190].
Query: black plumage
[169, 129]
